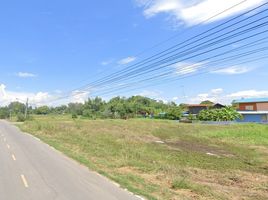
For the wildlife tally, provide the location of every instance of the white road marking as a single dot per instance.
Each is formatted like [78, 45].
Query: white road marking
[24, 181]
[13, 157]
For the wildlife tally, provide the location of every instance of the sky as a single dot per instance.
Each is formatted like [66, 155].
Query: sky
[51, 47]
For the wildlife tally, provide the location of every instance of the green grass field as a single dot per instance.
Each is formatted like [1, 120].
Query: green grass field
[165, 160]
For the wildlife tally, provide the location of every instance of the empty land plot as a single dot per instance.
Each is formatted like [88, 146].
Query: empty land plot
[165, 159]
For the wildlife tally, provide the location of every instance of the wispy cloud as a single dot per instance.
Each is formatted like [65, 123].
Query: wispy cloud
[194, 11]
[127, 60]
[107, 62]
[249, 94]
[187, 68]
[40, 98]
[7, 96]
[233, 70]
[25, 75]
[219, 95]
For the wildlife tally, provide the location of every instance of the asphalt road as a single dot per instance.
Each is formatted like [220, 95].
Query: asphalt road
[31, 170]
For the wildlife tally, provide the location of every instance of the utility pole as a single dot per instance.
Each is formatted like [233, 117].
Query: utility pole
[26, 108]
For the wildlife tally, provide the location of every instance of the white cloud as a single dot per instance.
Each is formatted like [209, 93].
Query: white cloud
[214, 95]
[218, 96]
[79, 96]
[217, 91]
[106, 62]
[248, 94]
[7, 96]
[194, 11]
[233, 70]
[175, 98]
[157, 95]
[40, 98]
[25, 75]
[203, 97]
[150, 93]
[187, 68]
[127, 60]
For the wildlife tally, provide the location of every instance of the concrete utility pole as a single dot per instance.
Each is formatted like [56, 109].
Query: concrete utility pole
[10, 115]
[26, 108]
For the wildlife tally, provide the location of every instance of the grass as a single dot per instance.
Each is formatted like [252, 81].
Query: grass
[194, 162]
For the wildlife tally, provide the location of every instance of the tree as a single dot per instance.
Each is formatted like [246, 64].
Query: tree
[4, 113]
[59, 109]
[174, 113]
[43, 110]
[16, 107]
[207, 102]
[75, 108]
[224, 114]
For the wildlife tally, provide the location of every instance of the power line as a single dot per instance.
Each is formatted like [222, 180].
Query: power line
[208, 51]
[248, 37]
[183, 69]
[252, 44]
[183, 53]
[178, 45]
[133, 74]
[216, 61]
[165, 81]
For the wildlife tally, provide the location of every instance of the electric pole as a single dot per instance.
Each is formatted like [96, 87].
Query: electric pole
[26, 108]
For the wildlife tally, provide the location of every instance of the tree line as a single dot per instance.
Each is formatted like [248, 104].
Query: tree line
[120, 108]
[93, 108]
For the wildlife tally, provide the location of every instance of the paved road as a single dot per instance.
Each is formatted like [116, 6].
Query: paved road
[31, 170]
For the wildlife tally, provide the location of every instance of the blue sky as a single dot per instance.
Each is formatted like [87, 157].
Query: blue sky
[50, 47]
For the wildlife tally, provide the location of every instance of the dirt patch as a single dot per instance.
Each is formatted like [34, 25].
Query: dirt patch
[199, 147]
[236, 184]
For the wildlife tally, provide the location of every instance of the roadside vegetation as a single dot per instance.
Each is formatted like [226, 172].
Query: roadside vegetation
[119, 108]
[223, 114]
[162, 159]
[96, 108]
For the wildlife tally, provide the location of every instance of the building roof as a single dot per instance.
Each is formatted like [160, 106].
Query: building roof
[252, 100]
[198, 105]
[253, 112]
[204, 105]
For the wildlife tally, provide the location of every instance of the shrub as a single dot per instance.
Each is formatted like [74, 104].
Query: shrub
[74, 116]
[20, 117]
[224, 114]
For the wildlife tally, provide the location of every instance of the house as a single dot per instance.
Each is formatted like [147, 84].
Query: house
[195, 109]
[218, 106]
[253, 110]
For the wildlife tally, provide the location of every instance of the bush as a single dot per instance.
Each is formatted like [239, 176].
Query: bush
[4, 113]
[20, 118]
[174, 113]
[191, 117]
[74, 116]
[224, 114]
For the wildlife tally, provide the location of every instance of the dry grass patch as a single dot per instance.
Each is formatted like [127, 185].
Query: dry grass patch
[164, 159]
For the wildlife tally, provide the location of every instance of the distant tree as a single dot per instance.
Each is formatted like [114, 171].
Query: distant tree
[20, 117]
[59, 109]
[16, 107]
[74, 116]
[183, 106]
[43, 110]
[174, 113]
[75, 108]
[4, 113]
[224, 114]
[118, 107]
[93, 107]
[207, 102]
